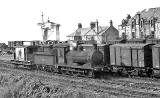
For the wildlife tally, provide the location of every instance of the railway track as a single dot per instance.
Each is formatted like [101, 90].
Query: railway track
[118, 87]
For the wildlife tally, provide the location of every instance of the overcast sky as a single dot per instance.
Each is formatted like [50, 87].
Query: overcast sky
[19, 18]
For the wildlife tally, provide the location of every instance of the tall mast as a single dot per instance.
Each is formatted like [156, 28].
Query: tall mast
[42, 17]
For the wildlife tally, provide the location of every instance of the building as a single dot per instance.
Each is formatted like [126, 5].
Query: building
[145, 24]
[94, 33]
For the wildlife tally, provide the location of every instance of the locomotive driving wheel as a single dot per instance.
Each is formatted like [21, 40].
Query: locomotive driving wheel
[90, 74]
[76, 74]
[63, 72]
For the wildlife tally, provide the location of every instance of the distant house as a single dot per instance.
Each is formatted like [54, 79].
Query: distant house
[145, 24]
[97, 33]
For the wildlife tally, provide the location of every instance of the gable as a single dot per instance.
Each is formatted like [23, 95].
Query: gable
[110, 31]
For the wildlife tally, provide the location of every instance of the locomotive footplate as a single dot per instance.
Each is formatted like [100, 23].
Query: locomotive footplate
[76, 71]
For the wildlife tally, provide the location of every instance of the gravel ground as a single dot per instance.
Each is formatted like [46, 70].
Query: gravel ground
[26, 84]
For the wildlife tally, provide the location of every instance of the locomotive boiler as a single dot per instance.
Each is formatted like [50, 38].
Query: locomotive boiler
[82, 57]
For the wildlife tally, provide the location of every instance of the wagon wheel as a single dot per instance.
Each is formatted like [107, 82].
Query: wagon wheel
[40, 67]
[140, 72]
[76, 74]
[119, 72]
[91, 74]
[53, 69]
[63, 72]
[125, 72]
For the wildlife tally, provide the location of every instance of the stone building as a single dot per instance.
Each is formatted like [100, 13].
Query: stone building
[145, 24]
[94, 33]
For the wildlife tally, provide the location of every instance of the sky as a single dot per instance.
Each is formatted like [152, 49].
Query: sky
[19, 18]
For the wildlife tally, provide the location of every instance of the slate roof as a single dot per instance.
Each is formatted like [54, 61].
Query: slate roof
[150, 13]
[88, 31]
[146, 15]
[130, 45]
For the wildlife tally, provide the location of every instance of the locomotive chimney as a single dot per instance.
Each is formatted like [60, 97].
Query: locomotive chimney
[79, 25]
[57, 32]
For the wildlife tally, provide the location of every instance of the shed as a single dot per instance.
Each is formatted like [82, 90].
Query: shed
[135, 55]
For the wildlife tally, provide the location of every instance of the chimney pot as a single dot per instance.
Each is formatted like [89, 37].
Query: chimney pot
[92, 25]
[111, 23]
[79, 25]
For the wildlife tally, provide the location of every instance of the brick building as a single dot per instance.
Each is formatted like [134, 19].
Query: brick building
[145, 24]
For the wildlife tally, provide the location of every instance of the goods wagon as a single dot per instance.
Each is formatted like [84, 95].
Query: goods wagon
[24, 55]
[45, 61]
[131, 57]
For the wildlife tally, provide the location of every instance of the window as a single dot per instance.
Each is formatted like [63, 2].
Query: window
[141, 23]
[151, 23]
[133, 35]
[132, 24]
[152, 34]
[92, 38]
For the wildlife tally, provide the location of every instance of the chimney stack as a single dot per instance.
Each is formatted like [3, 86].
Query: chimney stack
[111, 23]
[138, 18]
[79, 25]
[57, 32]
[92, 25]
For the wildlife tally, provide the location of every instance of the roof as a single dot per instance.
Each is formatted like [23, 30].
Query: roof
[130, 45]
[26, 46]
[61, 45]
[2, 44]
[136, 40]
[92, 44]
[150, 13]
[156, 46]
[43, 53]
[88, 31]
